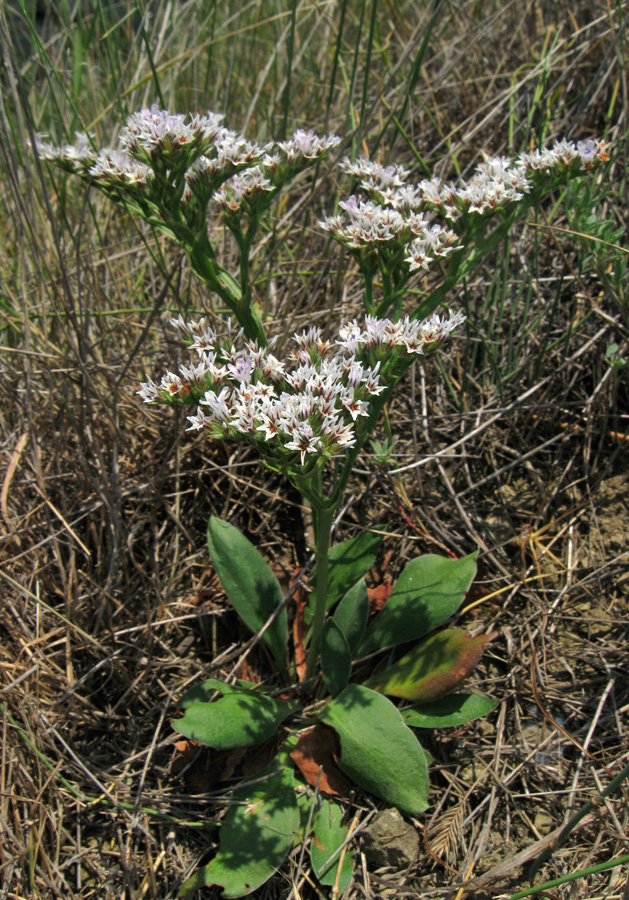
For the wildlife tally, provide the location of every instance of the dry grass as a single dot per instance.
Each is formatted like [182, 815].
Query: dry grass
[519, 447]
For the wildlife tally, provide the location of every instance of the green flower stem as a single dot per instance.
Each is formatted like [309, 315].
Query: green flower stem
[249, 319]
[370, 306]
[248, 316]
[323, 518]
[236, 296]
[386, 286]
[367, 426]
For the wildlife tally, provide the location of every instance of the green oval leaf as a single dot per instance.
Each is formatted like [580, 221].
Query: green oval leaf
[378, 751]
[325, 853]
[336, 659]
[252, 588]
[235, 720]
[429, 591]
[255, 838]
[205, 691]
[352, 613]
[347, 563]
[433, 667]
[454, 709]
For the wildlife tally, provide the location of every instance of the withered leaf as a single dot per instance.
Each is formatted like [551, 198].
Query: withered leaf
[315, 751]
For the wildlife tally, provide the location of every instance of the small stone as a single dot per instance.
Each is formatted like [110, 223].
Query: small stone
[543, 822]
[390, 841]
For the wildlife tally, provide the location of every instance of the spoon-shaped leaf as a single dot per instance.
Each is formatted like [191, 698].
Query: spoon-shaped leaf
[378, 751]
[255, 838]
[235, 720]
[252, 588]
[429, 591]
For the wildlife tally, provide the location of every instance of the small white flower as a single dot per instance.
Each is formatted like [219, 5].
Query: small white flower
[305, 441]
[241, 370]
[148, 392]
[220, 405]
[354, 406]
[200, 420]
[171, 384]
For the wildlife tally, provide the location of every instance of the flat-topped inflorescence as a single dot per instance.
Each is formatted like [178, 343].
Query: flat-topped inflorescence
[198, 145]
[170, 167]
[309, 405]
[390, 212]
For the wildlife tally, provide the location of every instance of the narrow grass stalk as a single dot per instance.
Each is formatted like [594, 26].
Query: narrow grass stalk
[290, 49]
[84, 798]
[574, 821]
[335, 63]
[592, 870]
[363, 102]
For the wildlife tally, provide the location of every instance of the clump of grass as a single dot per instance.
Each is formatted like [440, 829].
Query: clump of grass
[108, 603]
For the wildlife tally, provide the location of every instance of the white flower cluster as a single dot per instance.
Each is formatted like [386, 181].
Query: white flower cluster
[313, 407]
[399, 212]
[77, 157]
[368, 224]
[113, 166]
[155, 130]
[566, 153]
[414, 335]
[502, 181]
[306, 145]
[493, 185]
[248, 184]
[156, 142]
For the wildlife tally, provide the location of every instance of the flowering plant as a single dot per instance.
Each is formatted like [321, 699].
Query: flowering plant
[169, 168]
[322, 409]
[309, 416]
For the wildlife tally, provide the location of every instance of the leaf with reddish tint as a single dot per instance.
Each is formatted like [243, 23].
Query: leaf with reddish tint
[433, 668]
[379, 595]
[315, 752]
